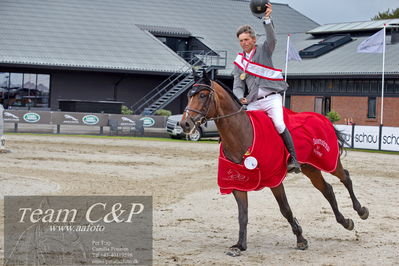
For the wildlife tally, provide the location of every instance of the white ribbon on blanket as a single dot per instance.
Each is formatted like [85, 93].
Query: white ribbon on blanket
[257, 69]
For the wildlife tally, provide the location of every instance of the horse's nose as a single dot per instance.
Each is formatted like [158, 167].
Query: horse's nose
[185, 125]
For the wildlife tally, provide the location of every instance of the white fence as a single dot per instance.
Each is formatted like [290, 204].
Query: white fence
[371, 137]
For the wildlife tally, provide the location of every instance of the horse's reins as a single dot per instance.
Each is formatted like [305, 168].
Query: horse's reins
[204, 115]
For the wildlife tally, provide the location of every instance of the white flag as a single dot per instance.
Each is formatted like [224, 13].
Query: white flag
[293, 54]
[373, 44]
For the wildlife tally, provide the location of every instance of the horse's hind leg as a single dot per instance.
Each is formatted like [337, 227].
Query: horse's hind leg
[242, 202]
[344, 177]
[326, 189]
[279, 194]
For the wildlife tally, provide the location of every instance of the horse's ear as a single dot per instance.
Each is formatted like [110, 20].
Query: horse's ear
[206, 78]
[195, 75]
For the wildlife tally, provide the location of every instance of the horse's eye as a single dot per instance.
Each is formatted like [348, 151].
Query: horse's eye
[202, 95]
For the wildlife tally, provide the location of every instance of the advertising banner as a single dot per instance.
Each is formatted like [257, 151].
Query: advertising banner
[78, 230]
[83, 119]
[390, 139]
[26, 116]
[346, 131]
[153, 121]
[366, 137]
[124, 120]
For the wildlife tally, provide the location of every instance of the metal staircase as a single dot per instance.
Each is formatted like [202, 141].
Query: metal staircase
[180, 81]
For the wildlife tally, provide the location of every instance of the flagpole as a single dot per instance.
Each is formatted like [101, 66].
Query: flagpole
[383, 77]
[286, 65]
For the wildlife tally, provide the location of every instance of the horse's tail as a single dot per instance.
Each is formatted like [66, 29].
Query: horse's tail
[341, 140]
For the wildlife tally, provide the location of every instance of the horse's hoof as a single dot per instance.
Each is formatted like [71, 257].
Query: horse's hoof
[302, 245]
[234, 252]
[351, 225]
[365, 214]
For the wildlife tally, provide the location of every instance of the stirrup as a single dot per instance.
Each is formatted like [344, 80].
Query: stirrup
[293, 166]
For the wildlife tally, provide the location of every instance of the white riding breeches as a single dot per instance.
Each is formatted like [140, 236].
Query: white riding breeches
[273, 106]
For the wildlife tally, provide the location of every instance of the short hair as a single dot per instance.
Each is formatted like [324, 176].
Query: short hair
[246, 29]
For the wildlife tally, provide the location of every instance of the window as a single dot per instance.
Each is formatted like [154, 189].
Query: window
[374, 86]
[301, 85]
[4, 80]
[322, 105]
[318, 105]
[336, 85]
[327, 105]
[389, 87]
[24, 90]
[175, 43]
[358, 86]
[318, 85]
[329, 85]
[371, 107]
[29, 81]
[396, 86]
[15, 80]
[366, 86]
[344, 85]
[308, 85]
[350, 86]
[293, 85]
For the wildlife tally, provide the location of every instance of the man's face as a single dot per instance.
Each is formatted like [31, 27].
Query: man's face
[247, 42]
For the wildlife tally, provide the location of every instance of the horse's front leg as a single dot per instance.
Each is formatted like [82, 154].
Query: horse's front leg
[242, 202]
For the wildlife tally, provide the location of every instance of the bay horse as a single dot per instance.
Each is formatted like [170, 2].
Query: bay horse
[209, 100]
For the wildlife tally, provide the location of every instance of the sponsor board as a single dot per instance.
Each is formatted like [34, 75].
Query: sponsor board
[390, 138]
[148, 121]
[346, 131]
[153, 121]
[84, 119]
[124, 120]
[78, 230]
[31, 117]
[26, 116]
[74, 118]
[366, 137]
[131, 120]
[90, 120]
[10, 117]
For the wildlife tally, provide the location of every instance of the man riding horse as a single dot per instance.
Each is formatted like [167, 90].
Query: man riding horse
[254, 70]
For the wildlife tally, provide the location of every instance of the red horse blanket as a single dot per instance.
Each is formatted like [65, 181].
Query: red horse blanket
[315, 143]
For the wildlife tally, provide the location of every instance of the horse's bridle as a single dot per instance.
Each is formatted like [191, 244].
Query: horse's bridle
[202, 116]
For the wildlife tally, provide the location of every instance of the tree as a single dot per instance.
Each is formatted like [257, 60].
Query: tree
[333, 116]
[389, 14]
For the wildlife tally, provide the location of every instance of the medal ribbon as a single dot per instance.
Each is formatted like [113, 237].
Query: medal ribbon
[258, 70]
[251, 54]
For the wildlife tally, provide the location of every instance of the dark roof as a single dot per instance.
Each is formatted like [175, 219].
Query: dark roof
[115, 34]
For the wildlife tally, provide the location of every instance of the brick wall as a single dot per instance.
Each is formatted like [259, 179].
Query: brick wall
[391, 111]
[302, 103]
[354, 108]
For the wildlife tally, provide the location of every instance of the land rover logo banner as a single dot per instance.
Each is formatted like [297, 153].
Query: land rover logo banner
[77, 230]
[148, 121]
[30, 117]
[87, 119]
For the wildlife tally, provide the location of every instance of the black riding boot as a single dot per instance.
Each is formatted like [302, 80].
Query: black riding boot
[293, 165]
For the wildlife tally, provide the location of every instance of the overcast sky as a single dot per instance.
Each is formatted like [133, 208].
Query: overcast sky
[334, 11]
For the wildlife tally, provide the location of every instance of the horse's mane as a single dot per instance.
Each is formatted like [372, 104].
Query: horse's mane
[229, 91]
